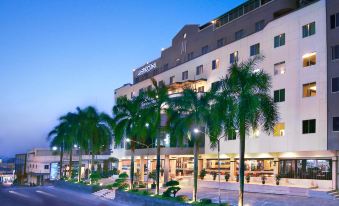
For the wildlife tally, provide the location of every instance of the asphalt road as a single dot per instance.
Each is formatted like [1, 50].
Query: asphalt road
[49, 196]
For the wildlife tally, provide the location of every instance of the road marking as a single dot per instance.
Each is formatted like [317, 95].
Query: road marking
[19, 194]
[45, 193]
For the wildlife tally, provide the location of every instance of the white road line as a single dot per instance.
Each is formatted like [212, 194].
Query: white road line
[18, 194]
[45, 193]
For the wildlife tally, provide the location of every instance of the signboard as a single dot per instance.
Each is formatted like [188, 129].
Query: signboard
[147, 68]
[54, 172]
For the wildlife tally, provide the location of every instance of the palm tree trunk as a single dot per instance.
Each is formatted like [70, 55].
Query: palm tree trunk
[80, 165]
[132, 164]
[195, 169]
[61, 158]
[242, 163]
[70, 163]
[158, 163]
[92, 165]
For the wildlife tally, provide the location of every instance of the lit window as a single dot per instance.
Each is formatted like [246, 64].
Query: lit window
[199, 69]
[309, 126]
[185, 75]
[255, 49]
[279, 40]
[335, 52]
[336, 124]
[279, 130]
[279, 95]
[279, 68]
[308, 29]
[234, 57]
[310, 89]
[335, 84]
[215, 64]
[309, 59]
[334, 20]
[172, 79]
[201, 89]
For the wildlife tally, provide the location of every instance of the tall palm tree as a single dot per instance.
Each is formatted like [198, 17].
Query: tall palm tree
[156, 99]
[187, 113]
[56, 138]
[129, 123]
[248, 88]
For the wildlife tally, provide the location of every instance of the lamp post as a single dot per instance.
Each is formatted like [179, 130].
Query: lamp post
[147, 147]
[196, 130]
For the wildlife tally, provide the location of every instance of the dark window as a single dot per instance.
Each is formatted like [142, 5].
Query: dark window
[216, 85]
[190, 56]
[336, 124]
[335, 84]
[308, 29]
[255, 49]
[204, 49]
[334, 21]
[279, 95]
[335, 52]
[233, 57]
[185, 75]
[259, 25]
[199, 69]
[309, 126]
[215, 64]
[161, 83]
[46, 167]
[239, 34]
[172, 79]
[165, 67]
[220, 42]
[201, 89]
[279, 40]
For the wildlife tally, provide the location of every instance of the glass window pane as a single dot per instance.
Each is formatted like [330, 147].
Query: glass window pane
[305, 126]
[333, 21]
[336, 124]
[312, 126]
[282, 95]
[335, 84]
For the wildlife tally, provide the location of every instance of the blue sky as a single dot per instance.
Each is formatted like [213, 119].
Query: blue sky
[57, 55]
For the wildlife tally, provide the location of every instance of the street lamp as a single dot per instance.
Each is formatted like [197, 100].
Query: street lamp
[148, 147]
[54, 148]
[196, 131]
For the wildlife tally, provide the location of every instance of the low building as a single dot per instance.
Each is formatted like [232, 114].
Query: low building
[7, 171]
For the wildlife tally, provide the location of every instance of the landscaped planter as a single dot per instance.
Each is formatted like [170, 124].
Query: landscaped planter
[141, 200]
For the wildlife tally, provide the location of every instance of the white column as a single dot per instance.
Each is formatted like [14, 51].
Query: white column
[166, 168]
[232, 169]
[335, 173]
[142, 168]
[276, 166]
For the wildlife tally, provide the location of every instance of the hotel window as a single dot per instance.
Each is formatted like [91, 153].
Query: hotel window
[161, 83]
[172, 79]
[334, 20]
[279, 130]
[309, 126]
[239, 34]
[204, 49]
[308, 29]
[234, 57]
[201, 89]
[165, 67]
[199, 69]
[216, 85]
[185, 75]
[190, 56]
[279, 95]
[220, 42]
[46, 167]
[335, 84]
[279, 68]
[310, 89]
[310, 59]
[335, 124]
[259, 25]
[335, 52]
[279, 40]
[215, 64]
[255, 49]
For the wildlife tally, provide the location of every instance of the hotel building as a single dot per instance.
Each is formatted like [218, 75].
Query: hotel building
[300, 42]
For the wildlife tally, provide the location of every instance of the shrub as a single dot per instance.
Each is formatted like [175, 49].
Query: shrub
[123, 175]
[172, 183]
[227, 177]
[214, 174]
[248, 178]
[142, 185]
[96, 188]
[171, 191]
[95, 176]
[206, 201]
[202, 174]
[123, 186]
[182, 198]
[109, 186]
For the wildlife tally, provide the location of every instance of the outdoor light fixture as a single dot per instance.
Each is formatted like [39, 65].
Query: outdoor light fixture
[75, 146]
[128, 140]
[147, 125]
[196, 130]
[54, 148]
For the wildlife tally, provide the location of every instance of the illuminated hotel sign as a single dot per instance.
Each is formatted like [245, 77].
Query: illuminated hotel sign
[147, 68]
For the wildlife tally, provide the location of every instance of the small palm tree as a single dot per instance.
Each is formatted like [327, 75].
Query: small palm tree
[129, 123]
[250, 105]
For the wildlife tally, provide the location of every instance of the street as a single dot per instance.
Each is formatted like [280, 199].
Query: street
[49, 195]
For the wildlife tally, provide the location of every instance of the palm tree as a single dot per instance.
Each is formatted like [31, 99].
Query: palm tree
[187, 114]
[129, 123]
[248, 88]
[57, 136]
[156, 100]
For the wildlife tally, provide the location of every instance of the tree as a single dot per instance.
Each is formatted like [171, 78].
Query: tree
[189, 113]
[156, 100]
[129, 123]
[248, 89]
[57, 136]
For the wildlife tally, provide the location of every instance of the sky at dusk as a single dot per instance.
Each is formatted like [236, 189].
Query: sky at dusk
[59, 54]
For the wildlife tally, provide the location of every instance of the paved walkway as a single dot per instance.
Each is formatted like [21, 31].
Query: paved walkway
[257, 199]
